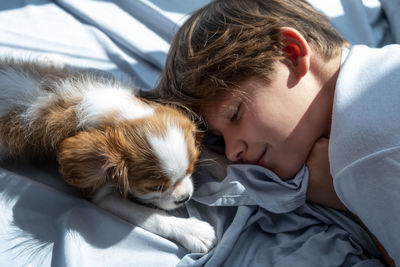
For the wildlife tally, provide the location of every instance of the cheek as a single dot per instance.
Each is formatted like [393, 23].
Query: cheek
[274, 117]
[275, 129]
[258, 126]
[137, 190]
[290, 151]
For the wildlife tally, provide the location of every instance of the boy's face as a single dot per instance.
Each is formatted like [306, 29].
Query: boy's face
[275, 127]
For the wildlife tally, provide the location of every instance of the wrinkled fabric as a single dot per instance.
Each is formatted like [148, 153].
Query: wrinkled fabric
[266, 222]
[258, 218]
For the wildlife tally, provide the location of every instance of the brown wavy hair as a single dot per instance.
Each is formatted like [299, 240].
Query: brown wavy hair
[229, 41]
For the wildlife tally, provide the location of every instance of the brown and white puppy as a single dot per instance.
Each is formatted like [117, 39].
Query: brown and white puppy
[108, 143]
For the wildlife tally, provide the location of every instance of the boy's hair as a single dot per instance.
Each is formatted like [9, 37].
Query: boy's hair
[228, 41]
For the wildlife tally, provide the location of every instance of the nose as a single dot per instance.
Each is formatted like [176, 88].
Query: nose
[234, 148]
[182, 200]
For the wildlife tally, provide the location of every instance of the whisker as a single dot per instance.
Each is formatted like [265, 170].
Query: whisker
[207, 162]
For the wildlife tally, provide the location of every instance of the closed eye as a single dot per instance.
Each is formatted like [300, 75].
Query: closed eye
[236, 115]
[158, 188]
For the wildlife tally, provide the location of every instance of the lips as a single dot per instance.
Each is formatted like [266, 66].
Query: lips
[260, 161]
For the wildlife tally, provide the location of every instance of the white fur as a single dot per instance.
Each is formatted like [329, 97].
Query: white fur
[171, 151]
[191, 233]
[171, 198]
[183, 187]
[97, 102]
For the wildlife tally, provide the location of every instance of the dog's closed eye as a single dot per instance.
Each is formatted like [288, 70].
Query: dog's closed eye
[157, 188]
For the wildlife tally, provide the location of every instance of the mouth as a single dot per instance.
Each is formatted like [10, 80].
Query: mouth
[260, 161]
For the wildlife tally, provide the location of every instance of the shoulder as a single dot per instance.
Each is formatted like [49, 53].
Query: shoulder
[362, 59]
[365, 112]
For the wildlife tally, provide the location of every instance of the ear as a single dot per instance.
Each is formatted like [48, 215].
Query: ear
[117, 171]
[296, 50]
[81, 161]
[86, 162]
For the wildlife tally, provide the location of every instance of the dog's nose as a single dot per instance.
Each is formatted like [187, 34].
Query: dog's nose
[182, 200]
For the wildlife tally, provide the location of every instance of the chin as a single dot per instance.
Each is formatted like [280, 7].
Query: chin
[287, 171]
[285, 175]
[109, 143]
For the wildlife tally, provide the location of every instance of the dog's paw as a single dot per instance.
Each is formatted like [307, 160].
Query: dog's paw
[197, 235]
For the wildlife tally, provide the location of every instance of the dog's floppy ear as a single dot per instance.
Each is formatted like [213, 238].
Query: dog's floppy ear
[81, 159]
[117, 169]
[86, 162]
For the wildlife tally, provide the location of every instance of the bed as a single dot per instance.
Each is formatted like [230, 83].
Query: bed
[260, 220]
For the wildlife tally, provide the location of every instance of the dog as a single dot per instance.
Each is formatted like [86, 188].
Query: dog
[109, 143]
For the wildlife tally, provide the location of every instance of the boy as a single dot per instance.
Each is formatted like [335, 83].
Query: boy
[273, 78]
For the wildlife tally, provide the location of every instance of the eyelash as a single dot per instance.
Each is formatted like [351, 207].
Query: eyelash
[235, 116]
[160, 188]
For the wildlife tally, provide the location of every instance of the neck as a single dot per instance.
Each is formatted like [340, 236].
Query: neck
[327, 73]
